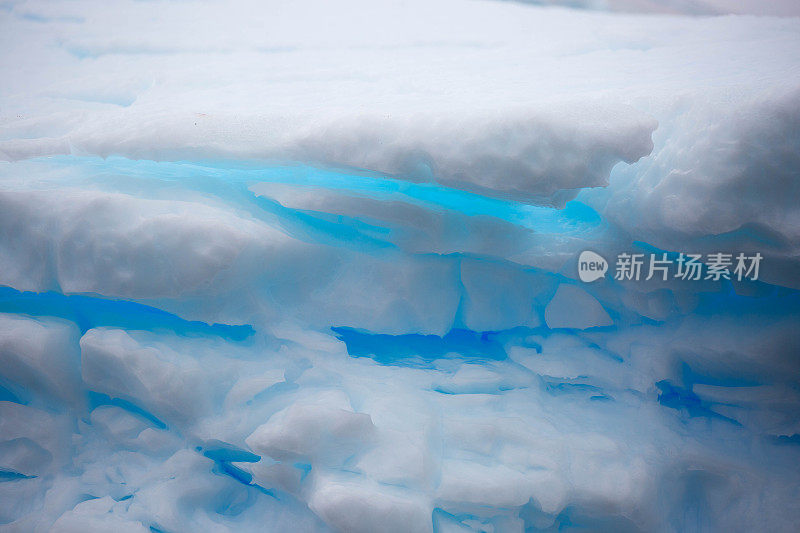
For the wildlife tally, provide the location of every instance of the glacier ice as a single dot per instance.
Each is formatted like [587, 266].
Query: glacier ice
[573, 307]
[313, 267]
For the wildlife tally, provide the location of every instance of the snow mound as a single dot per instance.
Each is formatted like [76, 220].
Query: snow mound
[314, 267]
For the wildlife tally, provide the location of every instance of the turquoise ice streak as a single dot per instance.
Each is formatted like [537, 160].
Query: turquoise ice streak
[91, 311]
[229, 180]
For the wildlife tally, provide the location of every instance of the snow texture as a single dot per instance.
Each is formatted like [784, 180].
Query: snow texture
[312, 266]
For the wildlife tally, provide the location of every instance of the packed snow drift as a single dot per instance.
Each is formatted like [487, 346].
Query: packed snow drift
[316, 266]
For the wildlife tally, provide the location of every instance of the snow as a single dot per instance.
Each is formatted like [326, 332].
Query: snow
[573, 307]
[313, 266]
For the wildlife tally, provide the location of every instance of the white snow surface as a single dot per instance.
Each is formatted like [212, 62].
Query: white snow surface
[311, 266]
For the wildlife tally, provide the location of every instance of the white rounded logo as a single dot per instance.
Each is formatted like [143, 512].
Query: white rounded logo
[591, 266]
